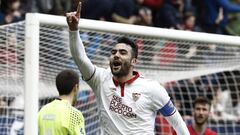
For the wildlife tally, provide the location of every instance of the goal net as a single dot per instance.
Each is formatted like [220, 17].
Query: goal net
[188, 64]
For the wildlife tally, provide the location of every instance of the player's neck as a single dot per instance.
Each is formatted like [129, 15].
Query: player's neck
[67, 98]
[124, 79]
[199, 128]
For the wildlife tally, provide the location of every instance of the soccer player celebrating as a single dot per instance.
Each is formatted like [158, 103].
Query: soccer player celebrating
[201, 112]
[59, 117]
[127, 101]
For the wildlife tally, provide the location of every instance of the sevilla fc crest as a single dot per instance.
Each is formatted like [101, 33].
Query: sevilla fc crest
[136, 96]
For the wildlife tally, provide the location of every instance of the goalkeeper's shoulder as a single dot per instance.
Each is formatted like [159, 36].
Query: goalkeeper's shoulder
[76, 113]
[76, 122]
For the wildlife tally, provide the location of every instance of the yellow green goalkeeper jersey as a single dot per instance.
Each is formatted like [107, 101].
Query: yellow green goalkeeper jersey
[60, 118]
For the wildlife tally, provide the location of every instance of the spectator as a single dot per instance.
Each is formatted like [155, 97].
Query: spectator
[10, 12]
[188, 6]
[97, 9]
[153, 4]
[44, 6]
[8, 55]
[212, 10]
[60, 7]
[56, 7]
[233, 27]
[222, 107]
[227, 101]
[125, 11]
[145, 16]
[170, 15]
[167, 53]
[189, 22]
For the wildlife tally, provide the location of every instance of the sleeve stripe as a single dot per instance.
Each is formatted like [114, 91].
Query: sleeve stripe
[168, 109]
[91, 75]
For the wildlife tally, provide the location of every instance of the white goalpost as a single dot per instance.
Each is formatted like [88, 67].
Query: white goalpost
[31, 76]
[188, 64]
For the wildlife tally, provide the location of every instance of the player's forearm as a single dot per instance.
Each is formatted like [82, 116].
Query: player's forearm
[230, 7]
[118, 18]
[79, 55]
[178, 124]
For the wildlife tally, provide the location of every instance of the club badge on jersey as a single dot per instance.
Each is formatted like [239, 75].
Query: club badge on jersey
[136, 96]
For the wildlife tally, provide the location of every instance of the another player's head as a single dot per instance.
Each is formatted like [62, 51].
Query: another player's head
[123, 57]
[67, 82]
[201, 110]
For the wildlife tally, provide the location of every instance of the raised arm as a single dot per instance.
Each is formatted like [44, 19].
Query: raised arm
[76, 46]
[230, 7]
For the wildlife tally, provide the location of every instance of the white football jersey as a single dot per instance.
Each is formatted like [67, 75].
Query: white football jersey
[129, 108]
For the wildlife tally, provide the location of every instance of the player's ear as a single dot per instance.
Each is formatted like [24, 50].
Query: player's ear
[76, 88]
[133, 61]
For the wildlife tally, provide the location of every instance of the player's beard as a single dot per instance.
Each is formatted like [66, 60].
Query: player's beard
[123, 70]
[200, 121]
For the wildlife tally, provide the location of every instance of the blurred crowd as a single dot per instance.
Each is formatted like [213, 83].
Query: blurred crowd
[222, 89]
[212, 16]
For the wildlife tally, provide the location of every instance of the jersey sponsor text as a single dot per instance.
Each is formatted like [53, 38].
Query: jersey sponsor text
[117, 106]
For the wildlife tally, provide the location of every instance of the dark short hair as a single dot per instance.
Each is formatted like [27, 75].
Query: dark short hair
[65, 81]
[131, 43]
[187, 15]
[201, 100]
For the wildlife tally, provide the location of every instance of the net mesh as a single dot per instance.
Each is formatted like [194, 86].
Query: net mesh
[11, 78]
[187, 69]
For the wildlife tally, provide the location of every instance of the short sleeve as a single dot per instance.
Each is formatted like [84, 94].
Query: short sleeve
[76, 125]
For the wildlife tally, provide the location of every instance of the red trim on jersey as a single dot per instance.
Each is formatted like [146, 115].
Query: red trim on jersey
[191, 130]
[136, 75]
[134, 78]
[207, 131]
[122, 89]
[116, 82]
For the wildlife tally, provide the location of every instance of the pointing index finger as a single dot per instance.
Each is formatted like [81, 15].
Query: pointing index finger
[79, 9]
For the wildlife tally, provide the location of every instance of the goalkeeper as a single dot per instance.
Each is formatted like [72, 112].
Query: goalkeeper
[127, 101]
[59, 117]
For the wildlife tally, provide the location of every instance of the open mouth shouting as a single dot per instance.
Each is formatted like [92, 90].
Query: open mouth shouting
[116, 65]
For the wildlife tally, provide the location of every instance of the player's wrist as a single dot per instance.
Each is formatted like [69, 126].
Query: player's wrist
[73, 29]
